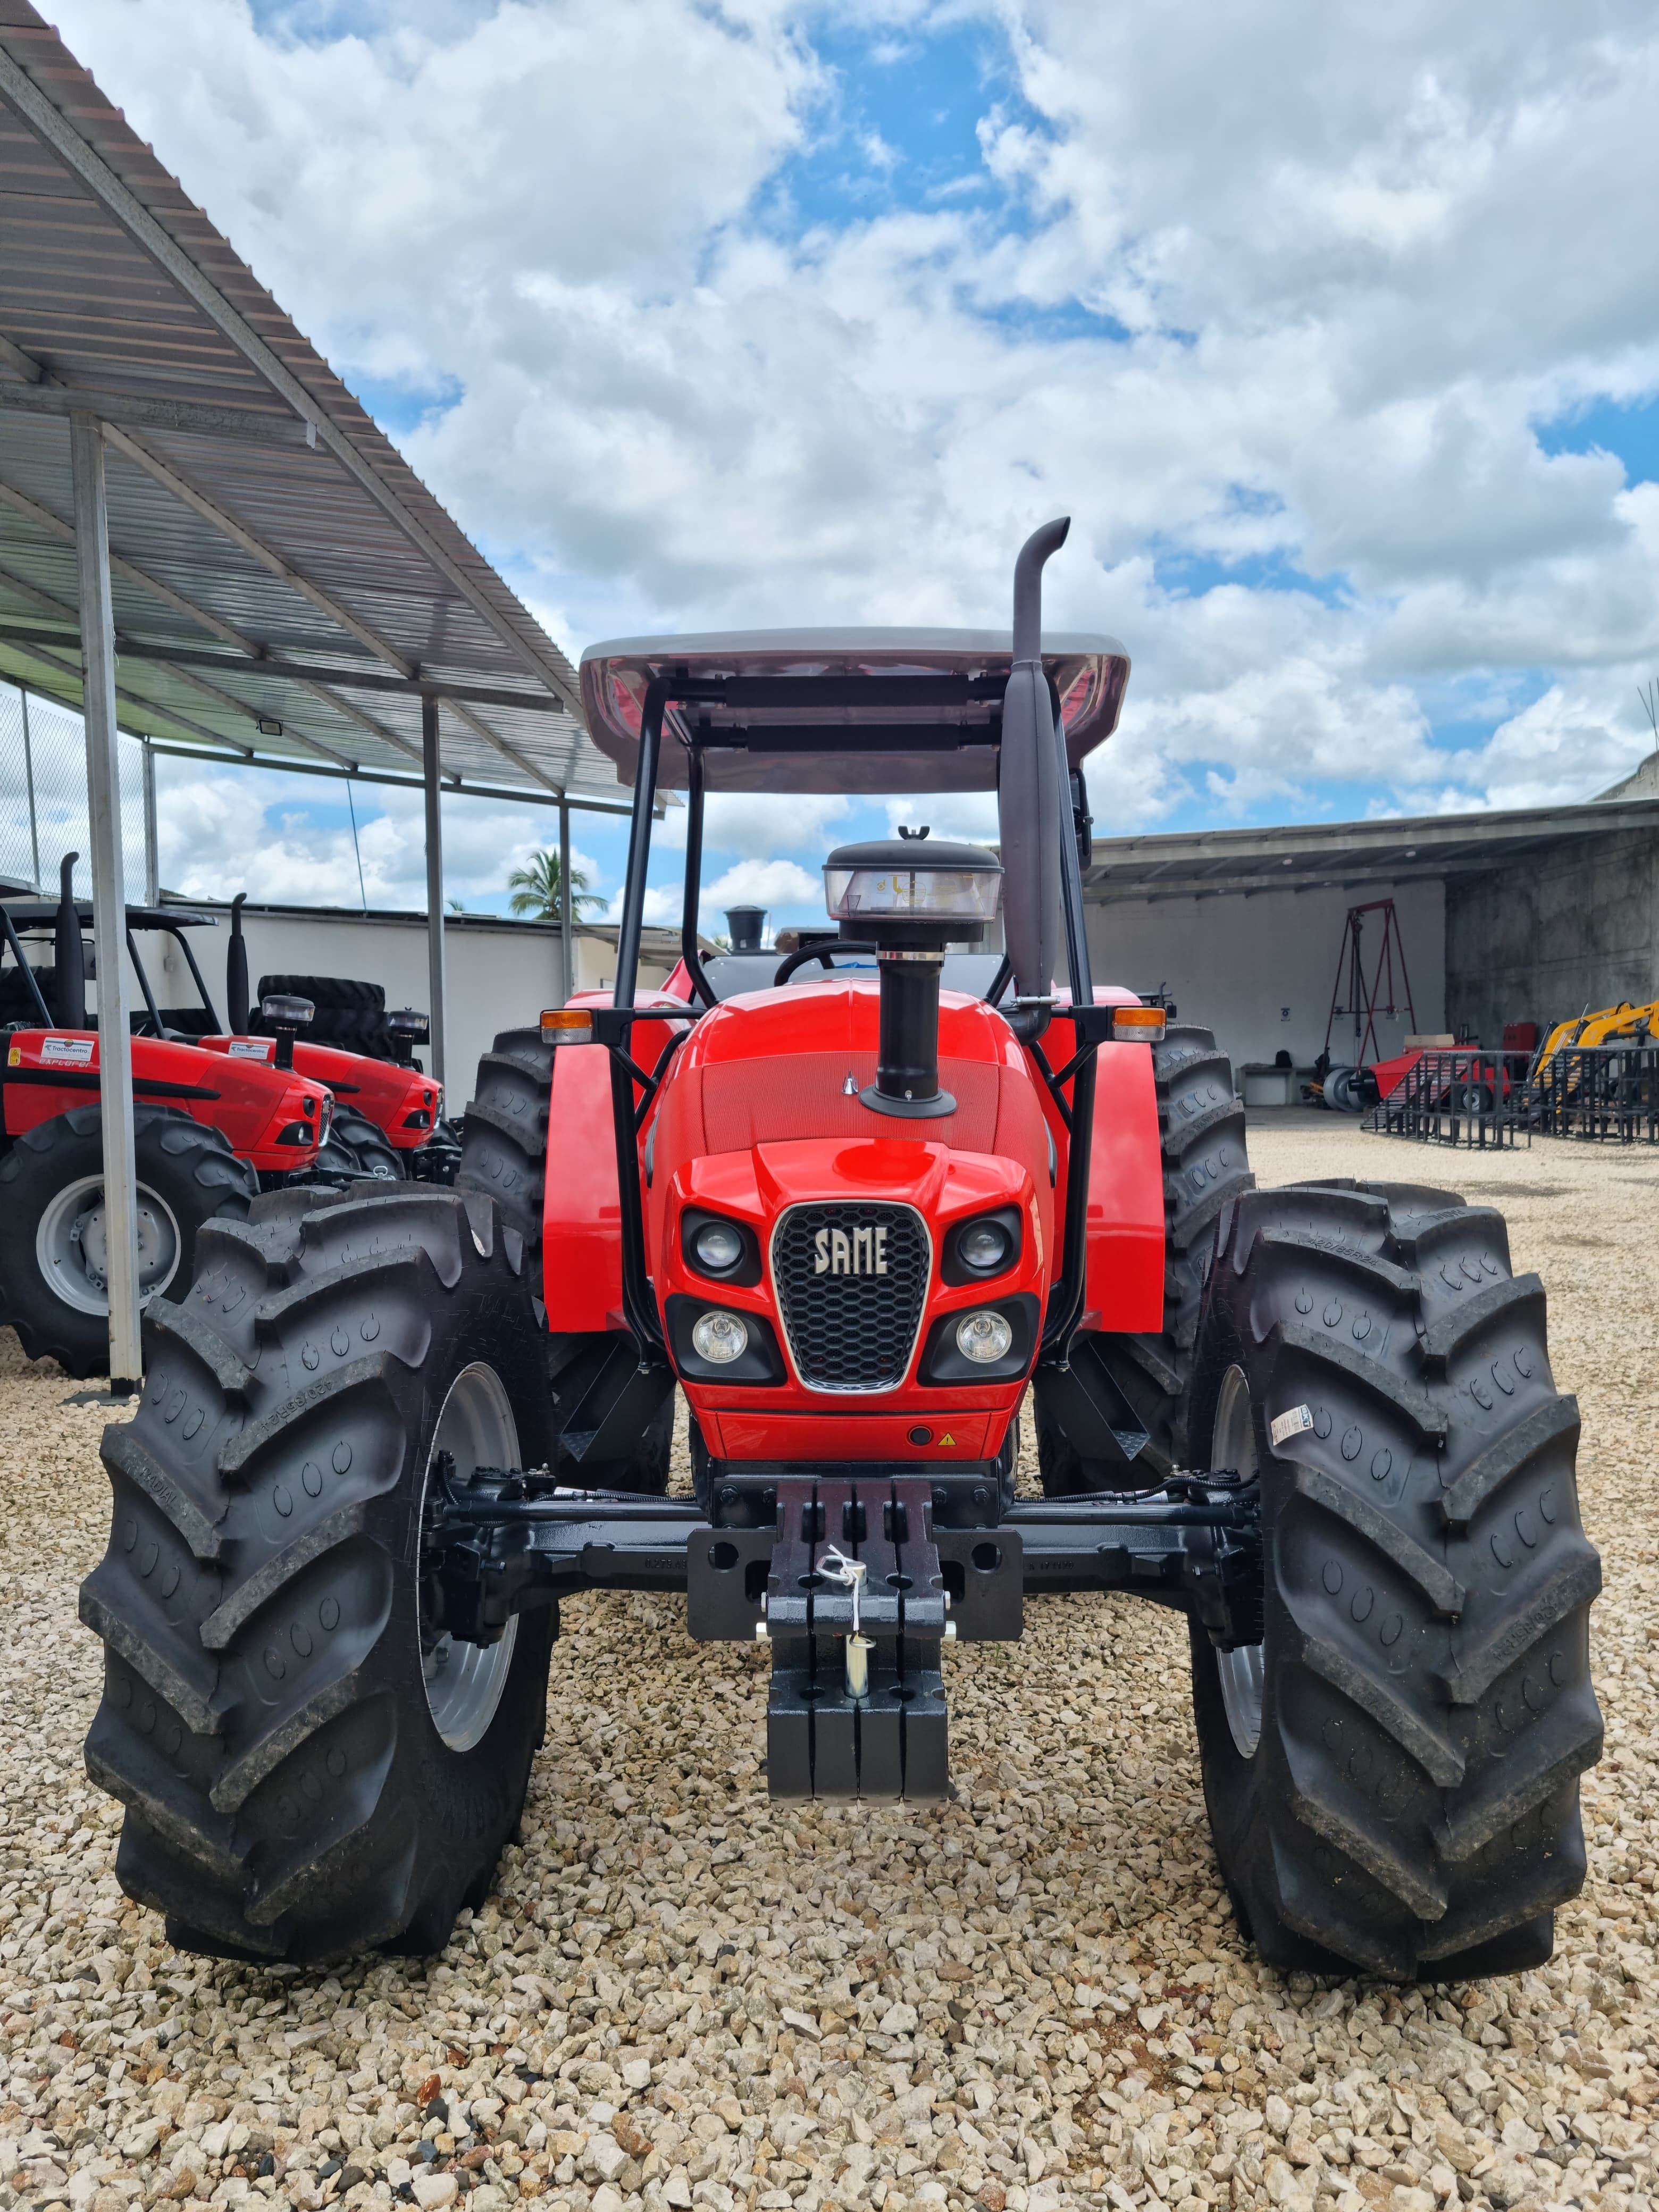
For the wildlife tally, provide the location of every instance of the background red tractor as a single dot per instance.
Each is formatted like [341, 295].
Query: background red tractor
[859, 1222]
[218, 1117]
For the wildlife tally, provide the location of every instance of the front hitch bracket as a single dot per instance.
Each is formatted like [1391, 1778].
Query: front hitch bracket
[784, 1555]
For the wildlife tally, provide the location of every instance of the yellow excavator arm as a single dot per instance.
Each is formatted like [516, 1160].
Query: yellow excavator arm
[1620, 1024]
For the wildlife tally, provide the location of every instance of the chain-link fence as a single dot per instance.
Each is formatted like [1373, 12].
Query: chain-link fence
[43, 796]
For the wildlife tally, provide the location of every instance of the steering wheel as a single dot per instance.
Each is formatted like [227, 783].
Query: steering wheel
[826, 953]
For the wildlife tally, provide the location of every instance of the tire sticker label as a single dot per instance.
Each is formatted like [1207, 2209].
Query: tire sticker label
[1286, 1425]
[67, 1052]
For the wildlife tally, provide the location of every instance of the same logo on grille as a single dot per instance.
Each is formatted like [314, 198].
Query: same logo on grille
[850, 1252]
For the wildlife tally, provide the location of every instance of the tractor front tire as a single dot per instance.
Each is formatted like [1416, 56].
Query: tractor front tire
[1392, 1774]
[357, 1146]
[504, 1155]
[308, 1768]
[52, 1284]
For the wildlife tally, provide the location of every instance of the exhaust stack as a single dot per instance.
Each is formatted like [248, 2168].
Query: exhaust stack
[236, 1000]
[69, 954]
[1029, 797]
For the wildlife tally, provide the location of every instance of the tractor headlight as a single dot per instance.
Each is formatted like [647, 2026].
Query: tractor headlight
[720, 1338]
[983, 1246]
[984, 1337]
[718, 1246]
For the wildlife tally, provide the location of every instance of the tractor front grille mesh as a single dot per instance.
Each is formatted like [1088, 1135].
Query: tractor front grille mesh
[851, 1283]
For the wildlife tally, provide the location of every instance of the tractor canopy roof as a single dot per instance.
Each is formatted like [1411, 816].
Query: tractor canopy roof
[41, 913]
[855, 710]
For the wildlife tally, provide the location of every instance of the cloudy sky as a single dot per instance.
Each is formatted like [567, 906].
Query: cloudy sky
[1335, 326]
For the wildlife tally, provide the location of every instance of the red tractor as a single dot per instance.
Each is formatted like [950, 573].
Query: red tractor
[858, 1219]
[217, 1118]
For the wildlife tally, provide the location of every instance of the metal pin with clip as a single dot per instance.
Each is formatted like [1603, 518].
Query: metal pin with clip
[836, 1567]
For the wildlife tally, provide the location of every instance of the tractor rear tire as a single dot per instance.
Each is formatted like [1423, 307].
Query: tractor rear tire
[1392, 1773]
[1200, 1124]
[348, 1015]
[504, 1137]
[50, 1195]
[357, 1146]
[504, 1154]
[309, 1770]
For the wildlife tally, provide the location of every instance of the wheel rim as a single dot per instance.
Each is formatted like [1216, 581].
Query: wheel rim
[465, 1681]
[1241, 1671]
[72, 1245]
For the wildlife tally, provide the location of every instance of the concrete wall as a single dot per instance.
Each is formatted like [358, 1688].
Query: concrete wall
[500, 973]
[1258, 969]
[1575, 926]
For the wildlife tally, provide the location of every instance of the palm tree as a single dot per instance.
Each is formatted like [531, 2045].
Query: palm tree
[535, 888]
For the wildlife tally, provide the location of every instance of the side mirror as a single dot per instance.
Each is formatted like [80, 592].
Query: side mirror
[286, 1017]
[407, 1028]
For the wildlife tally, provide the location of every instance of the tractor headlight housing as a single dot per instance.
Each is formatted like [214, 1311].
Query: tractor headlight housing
[717, 1344]
[990, 1343]
[987, 1245]
[714, 1244]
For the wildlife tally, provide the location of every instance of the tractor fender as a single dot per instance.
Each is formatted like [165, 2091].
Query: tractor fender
[1125, 1275]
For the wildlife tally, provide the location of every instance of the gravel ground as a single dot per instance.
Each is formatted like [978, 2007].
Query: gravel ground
[679, 1995]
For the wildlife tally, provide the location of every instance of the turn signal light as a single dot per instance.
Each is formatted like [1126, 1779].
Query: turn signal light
[568, 1025]
[1138, 1024]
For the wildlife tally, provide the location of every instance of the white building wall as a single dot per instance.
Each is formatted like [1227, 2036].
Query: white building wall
[500, 973]
[1258, 967]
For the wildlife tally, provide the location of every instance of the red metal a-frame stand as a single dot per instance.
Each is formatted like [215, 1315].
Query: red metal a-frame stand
[1366, 1003]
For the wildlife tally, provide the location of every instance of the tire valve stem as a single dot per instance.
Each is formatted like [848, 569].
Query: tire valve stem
[835, 1567]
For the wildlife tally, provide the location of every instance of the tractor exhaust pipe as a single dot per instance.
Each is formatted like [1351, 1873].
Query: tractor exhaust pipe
[236, 1001]
[69, 955]
[1029, 798]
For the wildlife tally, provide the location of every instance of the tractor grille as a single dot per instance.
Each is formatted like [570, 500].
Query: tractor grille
[851, 1282]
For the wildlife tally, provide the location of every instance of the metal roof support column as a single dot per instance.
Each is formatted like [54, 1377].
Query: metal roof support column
[152, 840]
[566, 966]
[109, 902]
[28, 779]
[434, 880]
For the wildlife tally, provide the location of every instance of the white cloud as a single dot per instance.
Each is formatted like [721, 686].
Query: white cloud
[777, 886]
[1351, 258]
[969, 814]
[758, 825]
[223, 831]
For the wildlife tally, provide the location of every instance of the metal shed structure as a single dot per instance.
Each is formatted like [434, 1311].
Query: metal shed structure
[204, 538]
[1508, 914]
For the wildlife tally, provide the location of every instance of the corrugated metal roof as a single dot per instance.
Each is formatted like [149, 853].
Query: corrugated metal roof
[260, 525]
[1314, 856]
